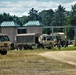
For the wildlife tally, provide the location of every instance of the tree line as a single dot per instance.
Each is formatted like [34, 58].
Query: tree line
[59, 17]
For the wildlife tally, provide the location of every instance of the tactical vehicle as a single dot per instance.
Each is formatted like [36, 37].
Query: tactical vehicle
[28, 41]
[4, 43]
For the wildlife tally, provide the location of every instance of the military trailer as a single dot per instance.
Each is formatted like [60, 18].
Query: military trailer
[28, 41]
[4, 43]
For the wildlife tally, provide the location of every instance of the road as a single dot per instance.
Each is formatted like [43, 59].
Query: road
[64, 56]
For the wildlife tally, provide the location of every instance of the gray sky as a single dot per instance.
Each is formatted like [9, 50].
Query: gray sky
[22, 7]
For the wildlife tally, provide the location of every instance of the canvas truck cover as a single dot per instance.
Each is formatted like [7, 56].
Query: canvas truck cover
[26, 38]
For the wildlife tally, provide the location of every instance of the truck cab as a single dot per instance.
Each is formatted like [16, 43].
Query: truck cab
[46, 40]
[4, 43]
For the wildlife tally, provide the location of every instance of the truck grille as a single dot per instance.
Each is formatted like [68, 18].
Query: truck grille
[5, 45]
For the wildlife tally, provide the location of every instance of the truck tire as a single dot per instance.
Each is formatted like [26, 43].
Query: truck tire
[19, 47]
[30, 47]
[12, 46]
[40, 46]
[26, 47]
[3, 52]
[51, 45]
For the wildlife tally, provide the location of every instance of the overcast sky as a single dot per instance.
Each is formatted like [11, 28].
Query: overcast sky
[22, 7]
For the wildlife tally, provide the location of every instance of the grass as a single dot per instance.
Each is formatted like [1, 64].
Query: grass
[70, 48]
[28, 62]
[44, 50]
[65, 49]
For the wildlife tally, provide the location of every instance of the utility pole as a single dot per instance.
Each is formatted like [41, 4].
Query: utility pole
[75, 34]
[52, 31]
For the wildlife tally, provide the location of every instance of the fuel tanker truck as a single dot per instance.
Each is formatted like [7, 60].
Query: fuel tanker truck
[31, 40]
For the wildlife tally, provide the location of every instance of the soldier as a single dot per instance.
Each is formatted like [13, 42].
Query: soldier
[58, 43]
[66, 43]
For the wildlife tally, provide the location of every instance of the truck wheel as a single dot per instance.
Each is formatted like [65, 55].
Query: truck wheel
[51, 45]
[40, 46]
[3, 52]
[26, 47]
[20, 47]
[12, 46]
[30, 47]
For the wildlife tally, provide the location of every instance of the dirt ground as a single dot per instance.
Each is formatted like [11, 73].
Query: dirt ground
[64, 56]
[68, 57]
[44, 63]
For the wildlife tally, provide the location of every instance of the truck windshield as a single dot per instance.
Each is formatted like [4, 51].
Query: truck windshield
[4, 38]
[49, 38]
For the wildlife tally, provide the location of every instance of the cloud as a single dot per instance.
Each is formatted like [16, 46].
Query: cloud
[22, 7]
[68, 5]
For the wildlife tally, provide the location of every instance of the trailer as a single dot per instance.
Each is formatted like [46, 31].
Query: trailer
[26, 41]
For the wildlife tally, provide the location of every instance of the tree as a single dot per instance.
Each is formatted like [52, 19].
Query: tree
[73, 16]
[33, 15]
[47, 16]
[72, 20]
[59, 17]
[1, 18]
[23, 19]
[17, 20]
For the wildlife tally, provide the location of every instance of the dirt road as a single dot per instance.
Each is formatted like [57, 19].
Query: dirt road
[64, 56]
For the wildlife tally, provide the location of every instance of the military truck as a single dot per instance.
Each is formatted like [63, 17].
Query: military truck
[46, 41]
[29, 40]
[60, 36]
[4, 43]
